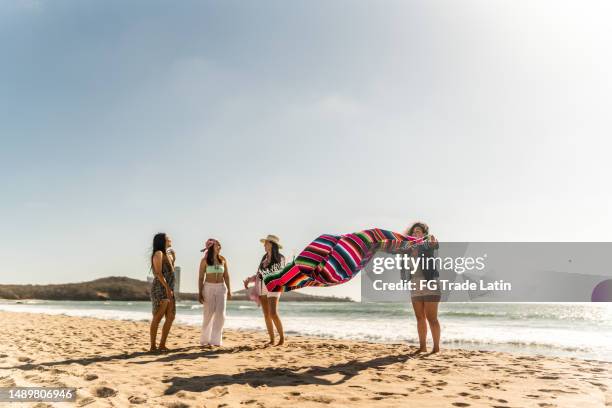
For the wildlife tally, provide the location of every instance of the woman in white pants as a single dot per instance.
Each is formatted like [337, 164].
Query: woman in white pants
[214, 291]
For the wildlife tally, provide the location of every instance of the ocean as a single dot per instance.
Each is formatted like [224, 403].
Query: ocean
[581, 330]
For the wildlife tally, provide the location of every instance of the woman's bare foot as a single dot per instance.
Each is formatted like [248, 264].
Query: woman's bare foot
[163, 349]
[153, 349]
[435, 350]
[270, 343]
[281, 341]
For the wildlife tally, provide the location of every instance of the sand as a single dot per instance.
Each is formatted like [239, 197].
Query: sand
[107, 363]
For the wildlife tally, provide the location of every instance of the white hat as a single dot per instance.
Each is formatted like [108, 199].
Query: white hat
[272, 238]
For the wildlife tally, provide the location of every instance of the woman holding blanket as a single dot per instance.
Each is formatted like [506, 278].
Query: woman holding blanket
[272, 261]
[425, 300]
[214, 291]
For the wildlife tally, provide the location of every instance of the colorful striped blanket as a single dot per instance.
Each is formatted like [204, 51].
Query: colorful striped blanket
[333, 259]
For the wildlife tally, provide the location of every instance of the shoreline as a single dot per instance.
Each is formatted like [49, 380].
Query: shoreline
[482, 331]
[106, 362]
[458, 335]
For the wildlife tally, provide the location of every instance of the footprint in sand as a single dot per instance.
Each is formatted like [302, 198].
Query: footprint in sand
[460, 404]
[90, 377]
[183, 394]
[86, 401]
[7, 382]
[317, 398]
[221, 391]
[442, 371]
[177, 404]
[134, 399]
[601, 386]
[555, 391]
[105, 392]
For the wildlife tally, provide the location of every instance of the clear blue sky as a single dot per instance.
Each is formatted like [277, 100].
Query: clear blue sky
[490, 120]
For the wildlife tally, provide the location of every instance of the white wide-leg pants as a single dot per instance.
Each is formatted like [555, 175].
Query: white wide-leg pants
[215, 296]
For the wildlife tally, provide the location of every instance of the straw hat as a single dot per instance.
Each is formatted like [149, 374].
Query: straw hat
[272, 238]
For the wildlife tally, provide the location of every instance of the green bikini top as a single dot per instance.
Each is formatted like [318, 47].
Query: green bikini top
[215, 269]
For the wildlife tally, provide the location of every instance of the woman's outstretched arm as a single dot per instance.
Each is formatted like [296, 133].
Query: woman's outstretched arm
[226, 278]
[201, 277]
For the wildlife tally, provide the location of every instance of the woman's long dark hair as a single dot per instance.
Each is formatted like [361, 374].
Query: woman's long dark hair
[209, 257]
[275, 256]
[159, 244]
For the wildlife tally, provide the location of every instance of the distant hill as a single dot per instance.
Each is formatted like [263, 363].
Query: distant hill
[293, 296]
[121, 288]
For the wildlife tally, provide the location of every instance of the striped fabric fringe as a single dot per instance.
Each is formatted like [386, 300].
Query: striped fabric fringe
[334, 259]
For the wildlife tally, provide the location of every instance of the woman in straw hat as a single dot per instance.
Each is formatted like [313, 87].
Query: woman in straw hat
[272, 261]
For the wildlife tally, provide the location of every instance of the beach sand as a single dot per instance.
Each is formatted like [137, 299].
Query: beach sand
[107, 363]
